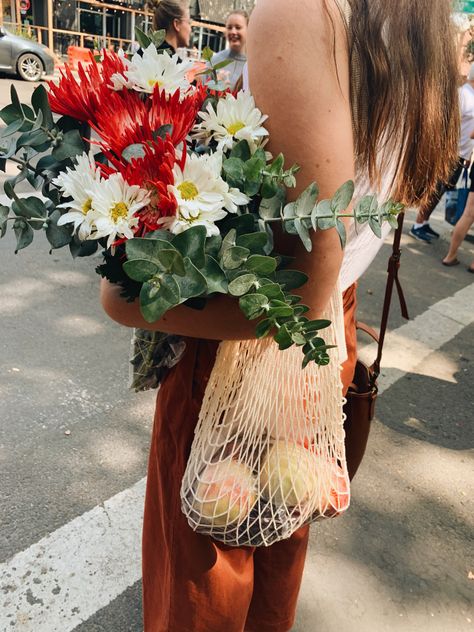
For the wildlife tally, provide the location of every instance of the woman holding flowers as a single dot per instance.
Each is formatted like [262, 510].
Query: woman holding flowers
[356, 89]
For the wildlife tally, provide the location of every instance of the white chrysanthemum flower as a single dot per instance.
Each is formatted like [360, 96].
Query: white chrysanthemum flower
[203, 197]
[114, 205]
[235, 119]
[76, 183]
[152, 68]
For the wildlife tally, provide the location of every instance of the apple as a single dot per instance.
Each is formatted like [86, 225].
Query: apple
[225, 493]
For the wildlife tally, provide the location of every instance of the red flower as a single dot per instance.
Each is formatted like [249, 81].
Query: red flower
[81, 99]
[153, 172]
[126, 117]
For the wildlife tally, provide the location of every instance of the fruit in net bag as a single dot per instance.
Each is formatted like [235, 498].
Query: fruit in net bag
[288, 474]
[225, 493]
[335, 490]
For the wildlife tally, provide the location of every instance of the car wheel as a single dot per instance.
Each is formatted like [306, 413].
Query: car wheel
[30, 67]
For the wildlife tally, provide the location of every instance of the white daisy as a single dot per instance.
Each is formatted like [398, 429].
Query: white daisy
[76, 183]
[152, 68]
[203, 197]
[235, 119]
[114, 204]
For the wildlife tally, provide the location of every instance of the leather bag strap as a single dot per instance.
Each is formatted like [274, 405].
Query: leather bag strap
[392, 279]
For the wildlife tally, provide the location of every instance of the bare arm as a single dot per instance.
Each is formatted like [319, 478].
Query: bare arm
[293, 78]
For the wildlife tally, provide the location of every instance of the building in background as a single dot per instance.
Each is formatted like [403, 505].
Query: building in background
[111, 23]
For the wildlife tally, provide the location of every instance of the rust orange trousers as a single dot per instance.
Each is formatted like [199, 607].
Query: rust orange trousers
[192, 583]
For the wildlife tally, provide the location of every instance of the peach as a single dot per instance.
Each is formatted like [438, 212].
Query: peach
[225, 493]
[288, 475]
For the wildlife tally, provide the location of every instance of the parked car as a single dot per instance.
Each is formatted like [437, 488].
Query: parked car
[24, 57]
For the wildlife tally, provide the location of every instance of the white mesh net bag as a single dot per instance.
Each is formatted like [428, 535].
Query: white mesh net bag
[268, 453]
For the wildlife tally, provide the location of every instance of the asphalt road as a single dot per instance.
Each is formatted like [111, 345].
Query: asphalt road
[72, 436]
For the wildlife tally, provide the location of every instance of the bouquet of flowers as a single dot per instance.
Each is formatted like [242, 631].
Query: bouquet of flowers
[171, 179]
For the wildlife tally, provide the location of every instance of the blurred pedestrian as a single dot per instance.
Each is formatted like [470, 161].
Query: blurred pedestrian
[461, 229]
[236, 34]
[173, 17]
[421, 229]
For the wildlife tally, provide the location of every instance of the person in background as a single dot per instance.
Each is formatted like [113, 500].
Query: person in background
[172, 16]
[421, 229]
[236, 34]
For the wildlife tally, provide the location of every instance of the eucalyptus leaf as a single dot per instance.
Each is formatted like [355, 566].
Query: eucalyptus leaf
[30, 207]
[283, 338]
[215, 277]
[272, 291]
[191, 243]
[255, 242]
[291, 279]
[341, 231]
[156, 298]
[142, 38]
[234, 167]
[343, 197]
[163, 131]
[242, 284]
[57, 236]
[375, 226]
[158, 37]
[193, 283]
[4, 212]
[36, 138]
[253, 305]
[270, 208]
[241, 150]
[147, 249]
[140, 270]
[171, 261]
[11, 128]
[269, 188]
[303, 234]
[322, 216]
[23, 233]
[40, 103]
[234, 257]
[306, 201]
[261, 264]
[133, 151]
[71, 145]
[213, 245]
[263, 328]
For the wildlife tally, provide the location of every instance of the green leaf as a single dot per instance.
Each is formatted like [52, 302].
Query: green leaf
[215, 276]
[322, 216]
[291, 279]
[223, 64]
[271, 207]
[142, 38]
[263, 328]
[36, 138]
[284, 311]
[228, 241]
[305, 203]
[375, 226]
[158, 37]
[234, 168]
[30, 207]
[70, 146]
[58, 236]
[303, 234]
[163, 131]
[241, 150]
[255, 242]
[364, 207]
[341, 231]
[343, 197]
[253, 305]
[157, 297]
[191, 243]
[243, 224]
[207, 53]
[193, 283]
[40, 103]
[242, 284]
[277, 165]
[24, 234]
[11, 128]
[316, 325]
[147, 249]
[393, 221]
[269, 188]
[140, 270]
[234, 257]
[272, 291]
[298, 338]
[289, 210]
[253, 169]
[261, 264]
[171, 261]
[79, 248]
[4, 212]
[213, 245]
[283, 338]
[131, 152]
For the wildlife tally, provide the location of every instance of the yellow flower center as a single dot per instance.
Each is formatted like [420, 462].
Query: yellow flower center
[235, 127]
[86, 207]
[119, 211]
[153, 82]
[188, 190]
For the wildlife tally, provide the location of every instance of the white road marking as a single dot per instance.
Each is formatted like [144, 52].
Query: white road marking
[65, 578]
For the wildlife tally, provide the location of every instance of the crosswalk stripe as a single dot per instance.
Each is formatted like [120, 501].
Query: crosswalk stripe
[66, 577]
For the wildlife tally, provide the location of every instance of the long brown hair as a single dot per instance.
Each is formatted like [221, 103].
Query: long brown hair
[406, 97]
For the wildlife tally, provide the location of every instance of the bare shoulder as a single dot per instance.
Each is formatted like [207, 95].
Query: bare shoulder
[294, 22]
